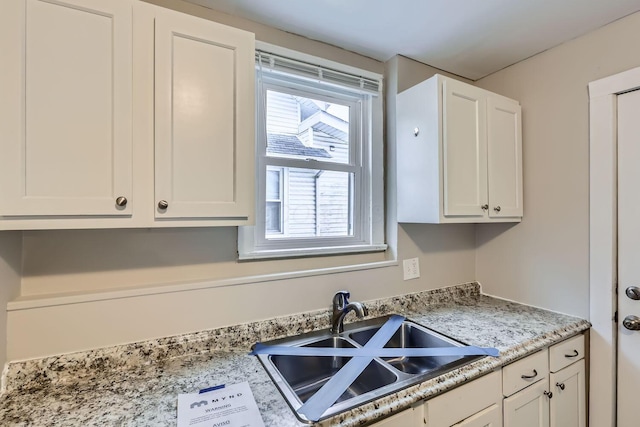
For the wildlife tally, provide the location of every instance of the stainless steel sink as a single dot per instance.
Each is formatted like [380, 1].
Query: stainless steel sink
[305, 375]
[299, 377]
[411, 335]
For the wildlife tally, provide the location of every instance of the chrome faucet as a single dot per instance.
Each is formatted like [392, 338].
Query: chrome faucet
[342, 307]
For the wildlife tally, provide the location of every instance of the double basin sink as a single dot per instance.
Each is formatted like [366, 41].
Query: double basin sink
[300, 377]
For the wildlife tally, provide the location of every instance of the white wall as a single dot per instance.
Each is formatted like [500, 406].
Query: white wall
[544, 260]
[10, 267]
[82, 262]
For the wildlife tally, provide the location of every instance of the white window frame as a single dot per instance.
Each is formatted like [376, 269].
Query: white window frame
[365, 162]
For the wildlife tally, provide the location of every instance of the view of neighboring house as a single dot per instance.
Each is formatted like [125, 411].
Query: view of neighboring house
[307, 202]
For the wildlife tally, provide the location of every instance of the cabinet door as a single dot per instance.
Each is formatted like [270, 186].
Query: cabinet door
[204, 118]
[490, 417]
[408, 418]
[464, 141]
[504, 144]
[65, 109]
[568, 402]
[528, 408]
[465, 402]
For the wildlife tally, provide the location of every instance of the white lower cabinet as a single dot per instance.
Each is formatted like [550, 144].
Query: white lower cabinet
[558, 396]
[490, 417]
[568, 403]
[545, 389]
[528, 408]
[477, 404]
[407, 418]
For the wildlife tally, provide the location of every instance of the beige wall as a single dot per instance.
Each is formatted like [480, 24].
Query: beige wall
[541, 261]
[10, 266]
[544, 260]
[86, 261]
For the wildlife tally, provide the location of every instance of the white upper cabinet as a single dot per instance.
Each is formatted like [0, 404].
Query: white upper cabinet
[464, 149]
[118, 113]
[204, 114]
[459, 154]
[65, 109]
[504, 143]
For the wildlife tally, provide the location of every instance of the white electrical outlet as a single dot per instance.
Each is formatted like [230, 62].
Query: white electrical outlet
[411, 268]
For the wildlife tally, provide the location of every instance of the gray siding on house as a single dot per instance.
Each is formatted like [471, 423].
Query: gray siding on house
[315, 204]
[340, 153]
[300, 203]
[283, 113]
[333, 204]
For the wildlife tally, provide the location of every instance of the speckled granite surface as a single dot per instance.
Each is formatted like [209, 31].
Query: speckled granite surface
[138, 384]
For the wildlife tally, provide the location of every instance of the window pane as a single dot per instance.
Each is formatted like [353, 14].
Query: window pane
[306, 128]
[318, 203]
[273, 184]
[273, 223]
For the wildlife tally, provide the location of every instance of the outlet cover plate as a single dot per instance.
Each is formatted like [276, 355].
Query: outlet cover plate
[411, 268]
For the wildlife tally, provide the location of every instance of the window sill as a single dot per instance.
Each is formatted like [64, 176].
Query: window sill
[308, 252]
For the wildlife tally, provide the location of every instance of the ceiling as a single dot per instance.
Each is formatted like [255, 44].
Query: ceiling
[469, 38]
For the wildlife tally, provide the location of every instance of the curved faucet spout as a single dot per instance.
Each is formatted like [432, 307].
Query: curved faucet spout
[342, 307]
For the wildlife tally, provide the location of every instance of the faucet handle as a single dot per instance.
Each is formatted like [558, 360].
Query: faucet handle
[341, 299]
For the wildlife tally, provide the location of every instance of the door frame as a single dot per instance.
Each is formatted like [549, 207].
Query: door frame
[603, 241]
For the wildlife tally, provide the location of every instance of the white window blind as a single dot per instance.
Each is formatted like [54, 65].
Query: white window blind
[270, 62]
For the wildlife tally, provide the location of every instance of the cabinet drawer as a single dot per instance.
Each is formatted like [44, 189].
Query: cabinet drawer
[525, 372]
[565, 353]
[462, 402]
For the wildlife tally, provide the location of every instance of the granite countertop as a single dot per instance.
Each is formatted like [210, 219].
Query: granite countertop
[138, 384]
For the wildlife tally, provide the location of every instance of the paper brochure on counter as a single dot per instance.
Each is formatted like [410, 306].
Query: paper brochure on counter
[230, 406]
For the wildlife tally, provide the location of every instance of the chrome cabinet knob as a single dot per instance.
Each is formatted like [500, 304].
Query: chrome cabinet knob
[497, 209]
[633, 292]
[121, 201]
[560, 386]
[163, 204]
[485, 207]
[416, 131]
[548, 394]
[632, 323]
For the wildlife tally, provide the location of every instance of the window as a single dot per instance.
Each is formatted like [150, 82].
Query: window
[273, 205]
[319, 161]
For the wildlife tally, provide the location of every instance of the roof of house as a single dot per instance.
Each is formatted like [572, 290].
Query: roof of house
[292, 146]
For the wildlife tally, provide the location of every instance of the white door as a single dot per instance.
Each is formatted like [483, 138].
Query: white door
[204, 114]
[464, 149]
[65, 110]
[628, 258]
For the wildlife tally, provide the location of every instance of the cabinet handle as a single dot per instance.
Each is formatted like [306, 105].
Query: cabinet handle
[528, 377]
[416, 131]
[121, 201]
[560, 386]
[485, 207]
[497, 209]
[163, 204]
[548, 394]
[571, 356]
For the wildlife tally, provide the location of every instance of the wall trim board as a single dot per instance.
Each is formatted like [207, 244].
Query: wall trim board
[603, 173]
[40, 301]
